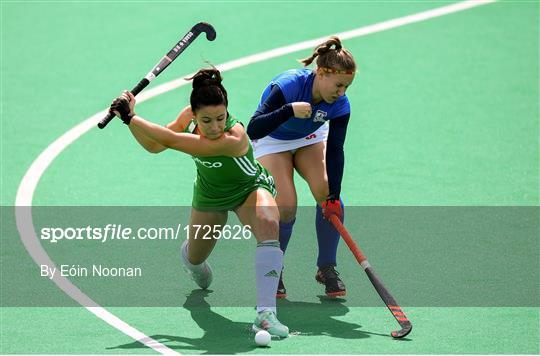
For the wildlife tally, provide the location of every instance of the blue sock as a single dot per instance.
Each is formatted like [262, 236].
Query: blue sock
[327, 238]
[285, 232]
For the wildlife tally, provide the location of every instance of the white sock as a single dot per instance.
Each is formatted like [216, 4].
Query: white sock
[268, 265]
[185, 259]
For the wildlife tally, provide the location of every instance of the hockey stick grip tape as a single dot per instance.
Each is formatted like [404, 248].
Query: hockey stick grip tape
[105, 120]
[138, 88]
[348, 239]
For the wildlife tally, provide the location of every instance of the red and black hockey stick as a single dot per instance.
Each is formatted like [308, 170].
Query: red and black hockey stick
[168, 59]
[385, 295]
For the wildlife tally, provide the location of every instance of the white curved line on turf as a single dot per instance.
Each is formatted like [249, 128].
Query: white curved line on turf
[27, 187]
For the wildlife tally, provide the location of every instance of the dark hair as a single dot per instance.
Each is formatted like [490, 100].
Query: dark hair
[207, 89]
[336, 58]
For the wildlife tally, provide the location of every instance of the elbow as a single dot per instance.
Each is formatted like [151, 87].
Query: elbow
[252, 133]
[251, 130]
[238, 147]
[256, 137]
[154, 148]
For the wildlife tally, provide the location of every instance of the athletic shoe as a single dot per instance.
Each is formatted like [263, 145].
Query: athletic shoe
[281, 291]
[201, 273]
[267, 320]
[334, 286]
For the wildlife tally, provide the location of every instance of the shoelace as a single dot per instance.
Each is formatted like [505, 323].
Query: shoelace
[269, 316]
[329, 272]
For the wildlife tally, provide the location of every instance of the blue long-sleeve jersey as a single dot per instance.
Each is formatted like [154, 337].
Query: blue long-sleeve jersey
[274, 118]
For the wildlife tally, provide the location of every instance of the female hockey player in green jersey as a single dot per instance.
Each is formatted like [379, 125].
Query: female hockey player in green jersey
[228, 178]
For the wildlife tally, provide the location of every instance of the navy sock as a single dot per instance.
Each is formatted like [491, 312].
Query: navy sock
[285, 232]
[327, 238]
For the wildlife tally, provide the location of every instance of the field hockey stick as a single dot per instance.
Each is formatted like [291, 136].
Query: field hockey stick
[168, 59]
[385, 295]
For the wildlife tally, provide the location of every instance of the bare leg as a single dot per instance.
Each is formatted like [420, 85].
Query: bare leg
[310, 163]
[201, 238]
[280, 165]
[200, 243]
[261, 213]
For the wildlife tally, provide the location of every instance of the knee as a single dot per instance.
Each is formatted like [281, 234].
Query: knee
[287, 213]
[321, 193]
[267, 228]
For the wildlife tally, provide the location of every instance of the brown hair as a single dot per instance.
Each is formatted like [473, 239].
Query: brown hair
[207, 89]
[332, 56]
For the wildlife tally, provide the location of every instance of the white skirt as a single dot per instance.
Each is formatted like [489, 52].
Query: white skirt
[268, 145]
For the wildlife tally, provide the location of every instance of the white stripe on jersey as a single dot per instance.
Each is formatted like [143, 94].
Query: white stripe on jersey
[249, 164]
[244, 168]
[270, 181]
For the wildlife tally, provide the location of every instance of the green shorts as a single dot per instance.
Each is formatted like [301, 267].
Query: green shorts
[229, 197]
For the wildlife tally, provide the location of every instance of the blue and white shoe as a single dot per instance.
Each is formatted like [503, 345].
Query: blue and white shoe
[268, 321]
[201, 273]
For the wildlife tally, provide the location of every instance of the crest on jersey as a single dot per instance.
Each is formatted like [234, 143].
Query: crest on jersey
[320, 116]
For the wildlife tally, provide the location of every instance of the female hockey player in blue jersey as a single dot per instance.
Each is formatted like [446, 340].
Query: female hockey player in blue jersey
[301, 123]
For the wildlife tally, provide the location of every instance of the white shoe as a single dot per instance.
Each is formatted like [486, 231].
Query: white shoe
[201, 273]
[267, 320]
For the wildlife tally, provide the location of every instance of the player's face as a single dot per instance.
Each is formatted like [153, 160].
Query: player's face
[332, 86]
[211, 120]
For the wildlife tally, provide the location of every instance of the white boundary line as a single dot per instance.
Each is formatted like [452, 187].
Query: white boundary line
[27, 187]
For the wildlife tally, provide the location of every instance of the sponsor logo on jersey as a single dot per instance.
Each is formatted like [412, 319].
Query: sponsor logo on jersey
[208, 164]
[310, 136]
[320, 116]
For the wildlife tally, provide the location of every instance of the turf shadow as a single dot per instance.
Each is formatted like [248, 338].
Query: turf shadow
[315, 319]
[221, 335]
[224, 336]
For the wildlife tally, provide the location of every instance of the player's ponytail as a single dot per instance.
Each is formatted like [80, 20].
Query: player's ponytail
[207, 89]
[332, 56]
